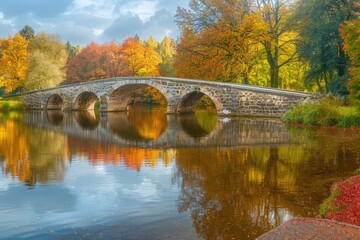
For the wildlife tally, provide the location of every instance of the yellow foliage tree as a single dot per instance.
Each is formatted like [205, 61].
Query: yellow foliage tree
[141, 60]
[13, 62]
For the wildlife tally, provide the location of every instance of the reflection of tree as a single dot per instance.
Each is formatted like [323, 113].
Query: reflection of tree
[14, 150]
[251, 190]
[32, 155]
[47, 154]
[198, 124]
[133, 158]
[138, 124]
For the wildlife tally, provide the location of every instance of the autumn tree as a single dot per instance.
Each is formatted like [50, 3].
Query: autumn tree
[219, 41]
[47, 59]
[141, 60]
[13, 62]
[321, 44]
[114, 62]
[87, 65]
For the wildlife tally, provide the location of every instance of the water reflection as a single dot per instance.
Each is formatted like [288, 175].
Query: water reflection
[137, 124]
[55, 117]
[32, 155]
[221, 180]
[133, 158]
[248, 191]
[88, 120]
[198, 124]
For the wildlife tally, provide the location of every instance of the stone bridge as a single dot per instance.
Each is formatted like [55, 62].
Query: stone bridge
[181, 95]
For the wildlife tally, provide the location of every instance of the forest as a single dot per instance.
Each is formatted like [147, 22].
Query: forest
[304, 45]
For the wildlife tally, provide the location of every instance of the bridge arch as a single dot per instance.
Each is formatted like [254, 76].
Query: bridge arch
[189, 102]
[85, 101]
[55, 102]
[120, 97]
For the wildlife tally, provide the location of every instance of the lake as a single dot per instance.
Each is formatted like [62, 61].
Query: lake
[143, 174]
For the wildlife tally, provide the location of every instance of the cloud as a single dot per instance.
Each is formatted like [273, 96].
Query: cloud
[84, 21]
[159, 25]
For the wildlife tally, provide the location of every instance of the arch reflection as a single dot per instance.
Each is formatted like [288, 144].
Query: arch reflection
[87, 119]
[55, 117]
[138, 123]
[198, 124]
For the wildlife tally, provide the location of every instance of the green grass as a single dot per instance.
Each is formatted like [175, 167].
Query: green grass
[11, 105]
[328, 205]
[327, 112]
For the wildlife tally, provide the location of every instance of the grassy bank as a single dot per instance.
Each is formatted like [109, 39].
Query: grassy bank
[327, 112]
[343, 204]
[10, 105]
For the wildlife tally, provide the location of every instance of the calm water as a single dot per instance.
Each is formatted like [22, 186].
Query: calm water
[148, 175]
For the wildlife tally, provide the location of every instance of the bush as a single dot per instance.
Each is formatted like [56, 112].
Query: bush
[11, 105]
[323, 113]
[350, 121]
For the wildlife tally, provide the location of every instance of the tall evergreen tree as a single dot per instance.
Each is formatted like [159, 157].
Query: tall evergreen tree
[27, 33]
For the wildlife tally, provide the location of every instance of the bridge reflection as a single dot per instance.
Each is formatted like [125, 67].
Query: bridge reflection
[154, 128]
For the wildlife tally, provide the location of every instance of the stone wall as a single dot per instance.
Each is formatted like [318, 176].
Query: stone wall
[181, 96]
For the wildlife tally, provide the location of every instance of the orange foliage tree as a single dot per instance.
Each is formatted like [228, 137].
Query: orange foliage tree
[219, 41]
[96, 61]
[87, 65]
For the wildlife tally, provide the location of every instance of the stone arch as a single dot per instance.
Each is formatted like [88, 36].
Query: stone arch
[55, 102]
[190, 100]
[119, 98]
[85, 101]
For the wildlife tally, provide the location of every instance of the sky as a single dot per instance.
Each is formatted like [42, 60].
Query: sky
[84, 21]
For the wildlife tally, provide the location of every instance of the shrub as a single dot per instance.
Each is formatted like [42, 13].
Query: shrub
[350, 121]
[327, 112]
[11, 105]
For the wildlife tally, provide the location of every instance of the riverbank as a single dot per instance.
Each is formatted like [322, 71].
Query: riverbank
[340, 214]
[11, 105]
[328, 112]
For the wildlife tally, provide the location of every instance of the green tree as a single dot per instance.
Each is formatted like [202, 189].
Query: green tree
[351, 35]
[47, 59]
[72, 50]
[27, 33]
[280, 44]
[167, 51]
[321, 44]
